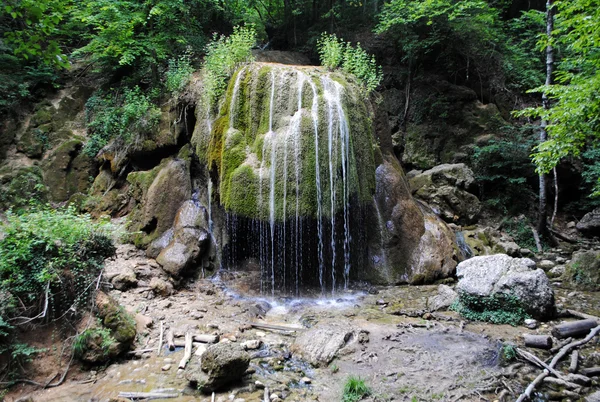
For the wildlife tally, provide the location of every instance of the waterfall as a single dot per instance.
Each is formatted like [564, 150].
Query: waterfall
[289, 180]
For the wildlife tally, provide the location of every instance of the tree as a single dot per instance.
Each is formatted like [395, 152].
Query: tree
[573, 121]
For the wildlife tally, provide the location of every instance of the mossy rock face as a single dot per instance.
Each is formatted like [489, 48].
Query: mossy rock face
[583, 272]
[8, 133]
[68, 171]
[43, 116]
[18, 187]
[160, 193]
[31, 143]
[285, 139]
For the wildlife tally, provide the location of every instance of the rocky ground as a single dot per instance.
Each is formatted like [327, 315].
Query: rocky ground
[391, 337]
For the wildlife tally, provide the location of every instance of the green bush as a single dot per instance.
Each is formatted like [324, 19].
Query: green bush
[334, 53]
[223, 56]
[98, 335]
[126, 116]
[497, 309]
[355, 389]
[179, 73]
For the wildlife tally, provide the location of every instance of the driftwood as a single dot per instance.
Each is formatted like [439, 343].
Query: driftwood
[562, 353]
[574, 362]
[188, 351]
[562, 383]
[574, 328]
[583, 316]
[274, 327]
[590, 372]
[146, 395]
[533, 359]
[538, 341]
[579, 379]
[170, 340]
[160, 338]
[203, 338]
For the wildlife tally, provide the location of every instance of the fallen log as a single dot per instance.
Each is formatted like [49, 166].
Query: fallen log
[203, 338]
[574, 328]
[590, 372]
[188, 351]
[538, 341]
[275, 327]
[146, 395]
[574, 362]
[170, 340]
[583, 316]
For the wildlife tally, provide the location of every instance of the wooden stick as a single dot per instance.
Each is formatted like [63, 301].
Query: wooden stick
[561, 353]
[160, 338]
[188, 351]
[170, 340]
[212, 399]
[574, 362]
[146, 395]
[590, 372]
[533, 359]
[206, 338]
[274, 327]
[538, 341]
[267, 397]
[583, 316]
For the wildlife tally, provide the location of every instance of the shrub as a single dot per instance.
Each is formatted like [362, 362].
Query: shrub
[498, 308]
[99, 335]
[223, 56]
[126, 116]
[179, 73]
[334, 53]
[509, 352]
[355, 389]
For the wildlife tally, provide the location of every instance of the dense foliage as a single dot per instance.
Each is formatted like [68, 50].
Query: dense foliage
[497, 309]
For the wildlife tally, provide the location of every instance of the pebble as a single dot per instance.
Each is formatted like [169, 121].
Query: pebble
[260, 334]
[531, 323]
[259, 384]
[165, 304]
[546, 264]
[168, 360]
[274, 397]
[305, 380]
[239, 400]
[212, 326]
[166, 367]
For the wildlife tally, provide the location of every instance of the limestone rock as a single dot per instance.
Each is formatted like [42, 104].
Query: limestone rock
[160, 243]
[589, 225]
[221, 365]
[183, 251]
[488, 241]
[593, 397]
[319, 345]
[124, 280]
[161, 287]
[446, 189]
[485, 276]
[584, 270]
[444, 299]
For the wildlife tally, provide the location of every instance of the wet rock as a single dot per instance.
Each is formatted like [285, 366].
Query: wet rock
[486, 276]
[160, 243]
[446, 190]
[589, 225]
[444, 298]
[320, 344]
[221, 365]
[584, 270]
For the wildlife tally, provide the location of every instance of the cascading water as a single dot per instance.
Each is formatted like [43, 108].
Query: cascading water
[287, 151]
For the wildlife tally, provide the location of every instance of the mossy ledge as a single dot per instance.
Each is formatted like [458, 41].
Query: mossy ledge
[284, 135]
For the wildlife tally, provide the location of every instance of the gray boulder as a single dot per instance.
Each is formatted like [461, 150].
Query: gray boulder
[444, 299]
[319, 345]
[183, 251]
[485, 276]
[589, 225]
[446, 189]
[583, 271]
[222, 364]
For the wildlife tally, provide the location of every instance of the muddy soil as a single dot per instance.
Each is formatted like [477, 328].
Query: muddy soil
[402, 352]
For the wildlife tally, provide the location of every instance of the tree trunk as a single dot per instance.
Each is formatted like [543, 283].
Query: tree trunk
[542, 226]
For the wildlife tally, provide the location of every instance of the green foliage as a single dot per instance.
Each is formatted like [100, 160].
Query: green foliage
[509, 352]
[334, 53]
[520, 230]
[355, 389]
[179, 73]
[127, 116]
[575, 106]
[224, 55]
[21, 188]
[54, 254]
[99, 335]
[498, 309]
[503, 167]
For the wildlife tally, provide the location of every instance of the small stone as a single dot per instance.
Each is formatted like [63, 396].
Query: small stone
[546, 264]
[571, 225]
[201, 349]
[168, 360]
[381, 302]
[305, 380]
[196, 315]
[239, 400]
[166, 367]
[252, 344]
[260, 334]
[274, 397]
[259, 384]
[525, 252]
[531, 323]
[212, 326]
[164, 304]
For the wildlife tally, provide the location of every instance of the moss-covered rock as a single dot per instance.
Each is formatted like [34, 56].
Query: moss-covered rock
[32, 143]
[583, 271]
[19, 187]
[8, 133]
[68, 171]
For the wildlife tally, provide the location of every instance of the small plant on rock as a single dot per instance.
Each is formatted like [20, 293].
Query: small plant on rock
[355, 389]
[498, 308]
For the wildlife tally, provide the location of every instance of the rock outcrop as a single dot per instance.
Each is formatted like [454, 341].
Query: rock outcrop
[500, 274]
[583, 271]
[221, 364]
[589, 225]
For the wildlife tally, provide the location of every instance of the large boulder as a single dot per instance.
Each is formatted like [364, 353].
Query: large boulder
[584, 270]
[222, 364]
[501, 275]
[320, 344]
[589, 225]
[445, 188]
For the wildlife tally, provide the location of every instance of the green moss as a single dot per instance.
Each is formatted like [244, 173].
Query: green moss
[20, 187]
[498, 308]
[42, 116]
[243, 196]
